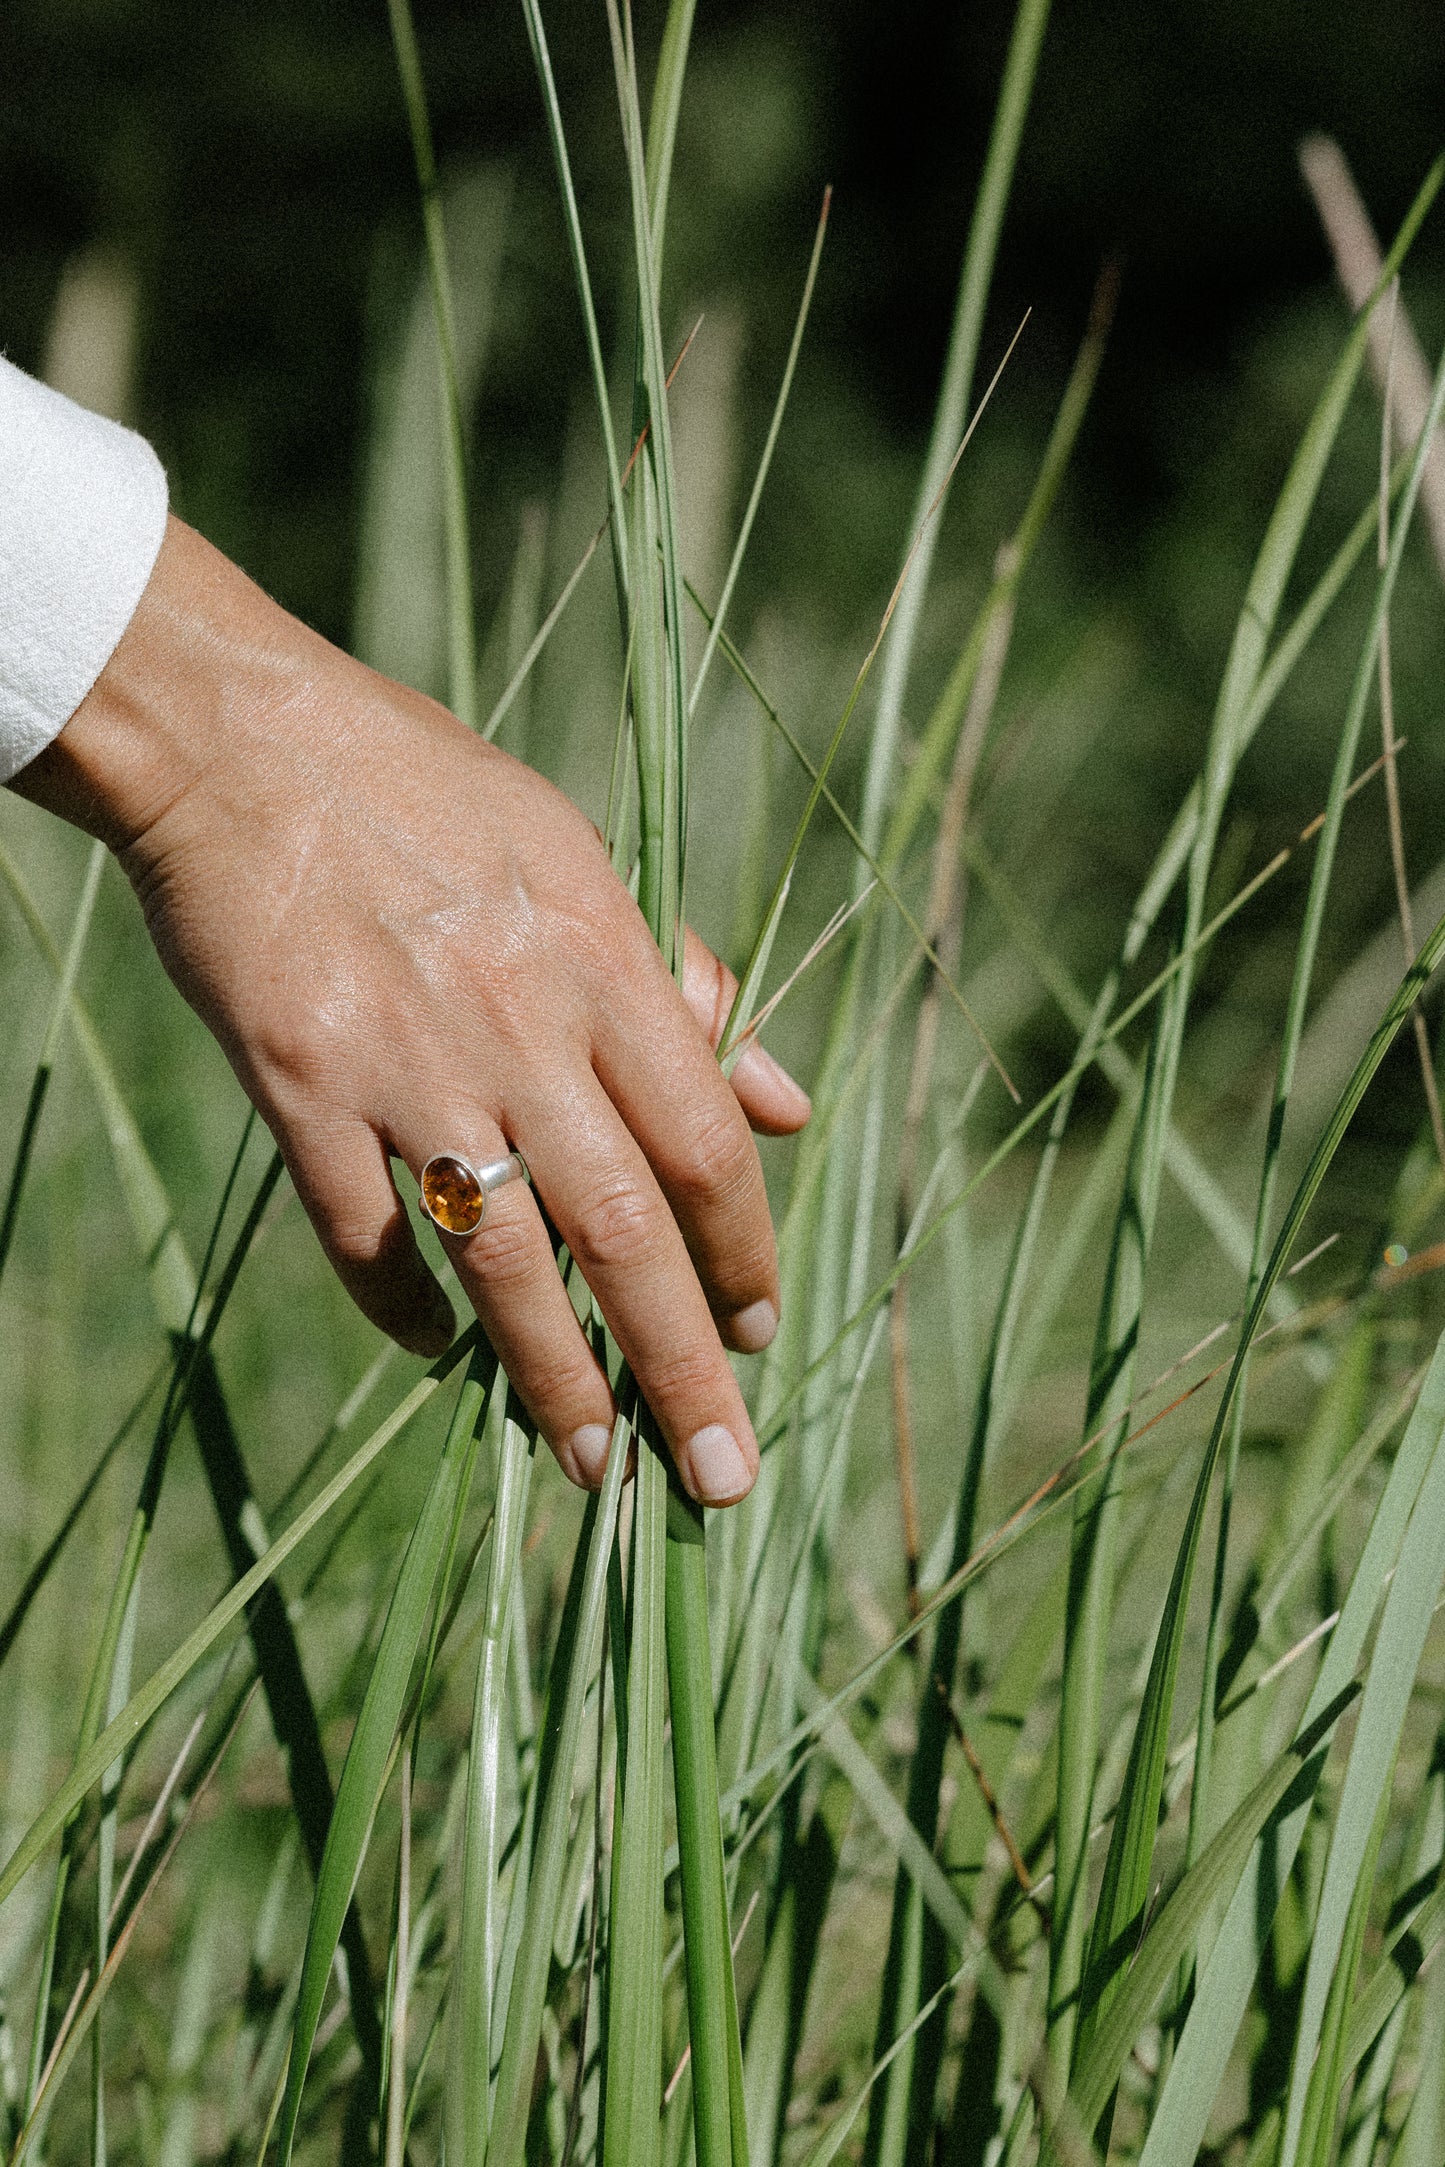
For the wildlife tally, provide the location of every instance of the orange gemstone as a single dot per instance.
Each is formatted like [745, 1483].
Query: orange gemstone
[453, 1195]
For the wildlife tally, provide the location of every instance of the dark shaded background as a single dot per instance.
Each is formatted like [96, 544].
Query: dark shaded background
[248, 156]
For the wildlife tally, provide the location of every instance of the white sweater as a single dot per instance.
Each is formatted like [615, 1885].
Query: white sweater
[82, 513]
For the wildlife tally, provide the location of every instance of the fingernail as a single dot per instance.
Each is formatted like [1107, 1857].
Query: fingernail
[770, 1072]
[715, 1462]
[588, 1448]
[754, 1328]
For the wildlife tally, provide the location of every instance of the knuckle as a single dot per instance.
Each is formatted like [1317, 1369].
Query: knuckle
[716, 1170]
[617, 1225]
[503, 1251]
[686, 1377]
[356, 1244]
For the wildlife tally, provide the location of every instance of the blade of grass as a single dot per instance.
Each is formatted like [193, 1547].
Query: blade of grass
[996, 181]
[946, 717]
[1129, 1867]
[49, 1047]
[139, 1709]
[1399, 1643]
[720, 2135]
[1223, 1985]
[478, 1953]
[573, 1667]
[41, 1570]
[1073, 1994]
[1416, 1943]
[663, 766]
[537, 38]
[461, 622]
[1322, 2102]
[369, 1753]
[1214, 1872]
[780, 407]
[634, 1956]
[746, 997]
[1387, 727]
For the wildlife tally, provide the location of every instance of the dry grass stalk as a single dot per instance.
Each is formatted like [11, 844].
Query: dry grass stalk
[1358, 266]
[944, 922]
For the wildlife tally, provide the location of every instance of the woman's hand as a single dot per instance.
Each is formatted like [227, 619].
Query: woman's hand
[409, 943]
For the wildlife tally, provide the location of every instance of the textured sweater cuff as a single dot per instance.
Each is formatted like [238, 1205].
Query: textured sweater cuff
[82, 515]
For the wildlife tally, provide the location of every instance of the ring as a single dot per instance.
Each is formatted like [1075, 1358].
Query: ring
[454, 1192]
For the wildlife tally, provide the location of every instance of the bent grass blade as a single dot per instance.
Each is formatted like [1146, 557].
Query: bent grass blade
[574, 1665]
[369, 1755]
[1216, 1871]
[469, 2072]
[157, 1690]
[50, 1047]
[1127, 1872]
[1223, 1985]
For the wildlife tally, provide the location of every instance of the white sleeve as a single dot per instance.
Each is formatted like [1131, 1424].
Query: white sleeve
[82, 514]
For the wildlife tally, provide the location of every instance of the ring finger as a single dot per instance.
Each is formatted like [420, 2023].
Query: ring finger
[510, 1277]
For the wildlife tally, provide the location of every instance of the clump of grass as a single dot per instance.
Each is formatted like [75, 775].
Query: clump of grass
[864, 1820]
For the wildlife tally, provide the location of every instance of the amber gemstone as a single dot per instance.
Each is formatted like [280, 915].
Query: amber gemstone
[453, 1195]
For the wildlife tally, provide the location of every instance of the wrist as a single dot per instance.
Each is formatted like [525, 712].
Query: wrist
[149, 728]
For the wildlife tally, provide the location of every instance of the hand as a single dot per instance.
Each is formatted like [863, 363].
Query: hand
[409, 943]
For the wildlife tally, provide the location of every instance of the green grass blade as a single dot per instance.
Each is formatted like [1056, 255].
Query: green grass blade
[1129, 1866]
[634, 1955]
[1284, 1079]
[1088, 1628]
[477, 1960]
[1322, 2102]
[832, 2142]
[538, 641]
[663, 762]
[574, 1663]
[711, 1999]
[925, 770]
[1216, 1871]
[775, 424]
[50, 1046]
[172, 1279]
[368, 1757]
[153, 1695]
[975, 280]
[1399, 1643]
[537, 38]
[1223, 1986]
[41, 1570]
[1416, 1942]
[663, 115]
[461, 622]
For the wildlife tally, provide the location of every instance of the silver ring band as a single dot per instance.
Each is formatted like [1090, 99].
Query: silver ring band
[454, 1193]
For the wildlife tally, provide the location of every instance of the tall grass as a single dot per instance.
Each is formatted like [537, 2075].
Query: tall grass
[921, 1809]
